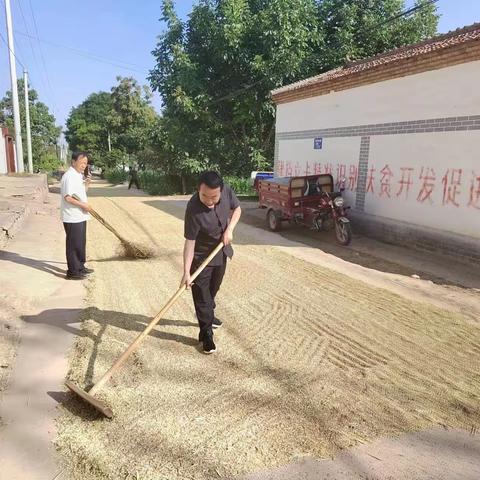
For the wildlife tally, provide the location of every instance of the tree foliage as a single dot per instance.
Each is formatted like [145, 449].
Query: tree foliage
[215, 71]
[112, 125]
[88, 126]
[44, 132]
[132, 115]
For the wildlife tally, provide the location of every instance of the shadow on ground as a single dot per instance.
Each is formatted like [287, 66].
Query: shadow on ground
[69, 320]
[324, 241]
[41, 265]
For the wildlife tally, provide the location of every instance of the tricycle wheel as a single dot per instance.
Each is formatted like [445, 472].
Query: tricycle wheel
[343, 232]
[273, 221]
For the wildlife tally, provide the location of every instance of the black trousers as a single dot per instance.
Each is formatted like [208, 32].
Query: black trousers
[76, 245]
[204, 290]
[135, 181]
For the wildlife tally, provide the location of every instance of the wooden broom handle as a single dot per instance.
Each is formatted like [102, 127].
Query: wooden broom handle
[134, 345]
[93, 212]
[98, 217]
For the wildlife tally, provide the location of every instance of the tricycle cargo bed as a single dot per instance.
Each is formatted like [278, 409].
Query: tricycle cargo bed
[309, 201]
[286, 192]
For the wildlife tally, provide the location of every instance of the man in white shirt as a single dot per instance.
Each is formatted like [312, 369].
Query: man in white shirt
[74, 214]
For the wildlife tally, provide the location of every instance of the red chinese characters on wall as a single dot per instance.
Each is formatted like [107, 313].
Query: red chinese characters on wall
[385, 185]
[349, 172]
[452, 187]
[288, 169]
[424, 183]
[352, 178]
[428, 178]
[406, 181]
[371, 180]
[308, 170]
[297, 169]
[341, 173]
[474, 200]
[452, 181]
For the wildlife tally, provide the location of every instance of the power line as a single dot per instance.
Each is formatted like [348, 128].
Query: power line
[118, 63]
[6, 43]
[33, 53]
[386, 22]
[34, 56]
[389, 20]
[236, 92]
[407, 12]
[16, 58]
[42, 58]
[25, 23]
[96, 58]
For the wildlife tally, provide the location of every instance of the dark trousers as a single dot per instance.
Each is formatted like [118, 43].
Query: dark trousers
[204, 290]
[76, 242]
[135, 181]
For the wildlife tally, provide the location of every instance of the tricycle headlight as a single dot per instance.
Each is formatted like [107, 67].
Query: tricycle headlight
[338, 202]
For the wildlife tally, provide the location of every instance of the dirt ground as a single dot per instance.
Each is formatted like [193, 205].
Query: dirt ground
[18, 195]
[9, 338]
[35, 300]
[314, 356]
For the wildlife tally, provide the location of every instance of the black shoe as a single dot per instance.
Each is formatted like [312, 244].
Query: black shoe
[208, 344]
[216, 323]
[87, 271]
[75, 276]
[201, 336]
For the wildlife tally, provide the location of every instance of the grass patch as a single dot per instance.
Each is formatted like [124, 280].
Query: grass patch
[116, 176]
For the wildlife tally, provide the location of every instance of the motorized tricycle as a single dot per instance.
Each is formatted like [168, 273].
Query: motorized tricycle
[309, 201]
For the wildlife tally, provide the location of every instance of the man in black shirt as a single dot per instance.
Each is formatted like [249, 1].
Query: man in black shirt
[211, 216]
[133, 178]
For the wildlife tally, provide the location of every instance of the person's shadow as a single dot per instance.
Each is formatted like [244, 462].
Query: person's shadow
[69, 319]
[41, 265]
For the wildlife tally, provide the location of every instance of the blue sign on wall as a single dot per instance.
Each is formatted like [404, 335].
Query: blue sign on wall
[317, 143]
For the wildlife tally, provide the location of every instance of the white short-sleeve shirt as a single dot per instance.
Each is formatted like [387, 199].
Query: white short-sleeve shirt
[72, 183]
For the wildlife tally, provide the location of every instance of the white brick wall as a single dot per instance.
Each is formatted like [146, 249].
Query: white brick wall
[426, 178]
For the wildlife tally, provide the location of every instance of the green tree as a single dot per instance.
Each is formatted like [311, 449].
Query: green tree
[132, 115]
[215, 71]
[422, 25]
[170, 76]
[44, 132]
[89, 127]
[355, 29]
[215, 75]
[111, 126]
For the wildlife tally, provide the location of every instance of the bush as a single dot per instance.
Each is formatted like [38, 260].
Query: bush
[48, 163]
[116, 176]
[241, 186]
[156, 183]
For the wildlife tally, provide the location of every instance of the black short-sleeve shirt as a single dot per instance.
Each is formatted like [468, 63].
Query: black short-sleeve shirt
[206, 225]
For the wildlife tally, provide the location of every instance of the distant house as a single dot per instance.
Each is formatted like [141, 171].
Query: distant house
[403, 128]
[7, 152]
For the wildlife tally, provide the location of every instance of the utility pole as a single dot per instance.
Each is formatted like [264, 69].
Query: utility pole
[13, 79]
[27, 118]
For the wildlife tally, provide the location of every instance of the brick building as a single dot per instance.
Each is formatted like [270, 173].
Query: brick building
[7, 152]
[403, 128]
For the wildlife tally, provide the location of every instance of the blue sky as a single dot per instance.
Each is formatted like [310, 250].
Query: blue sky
[121, 32]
